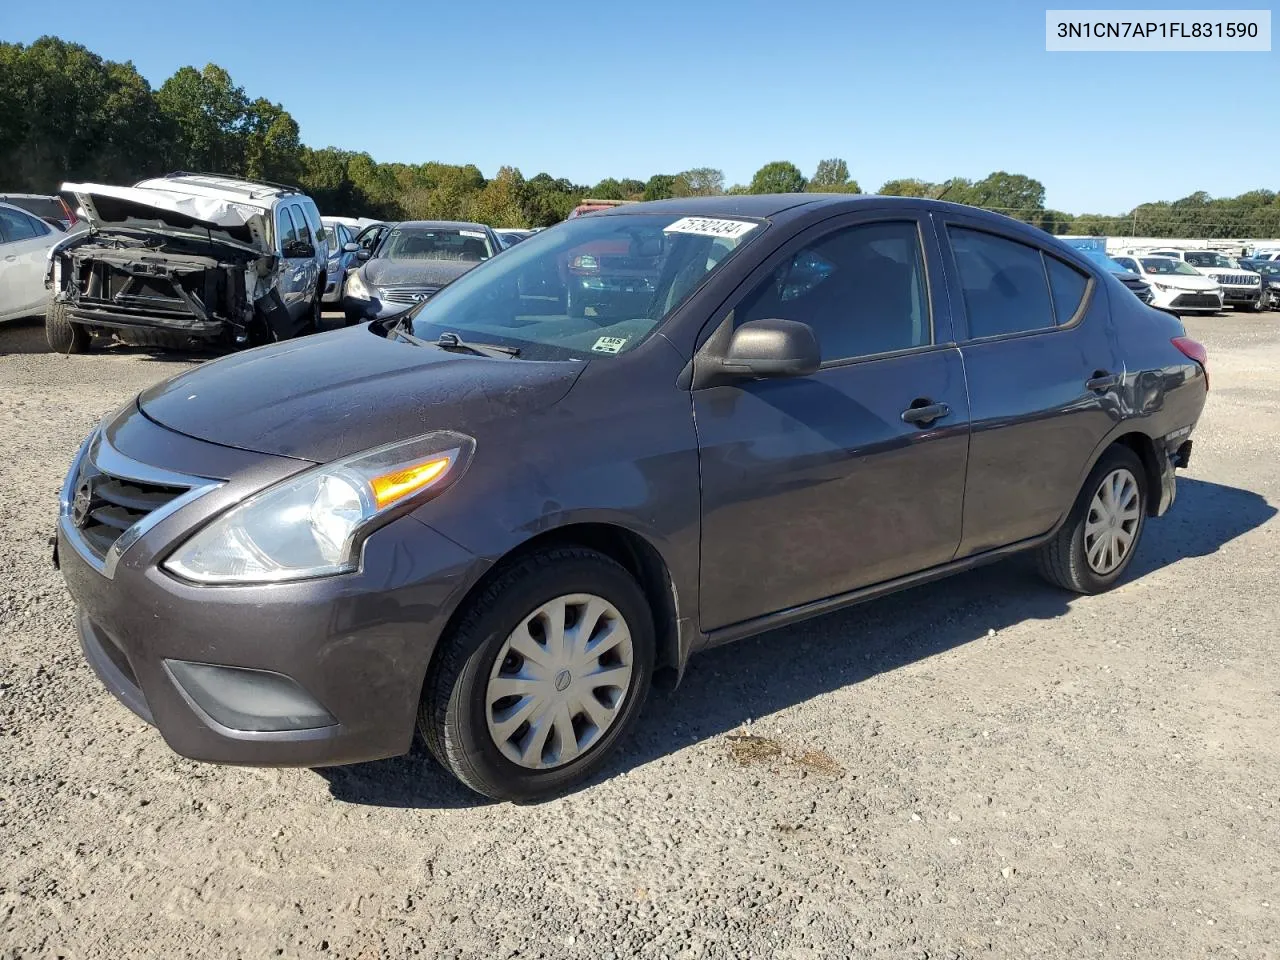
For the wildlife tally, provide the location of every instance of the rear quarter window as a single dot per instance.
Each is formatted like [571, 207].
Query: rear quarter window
[1068, 286]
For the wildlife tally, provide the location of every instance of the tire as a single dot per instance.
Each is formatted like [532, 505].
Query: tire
[64, 334]
[1063, 560]
[458, 710]
[158, 339]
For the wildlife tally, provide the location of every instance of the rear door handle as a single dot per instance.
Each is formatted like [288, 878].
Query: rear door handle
[1102, 381]
[922, 413]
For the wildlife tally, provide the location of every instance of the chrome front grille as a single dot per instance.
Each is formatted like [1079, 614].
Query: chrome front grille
[1235, 279]
[103, 507]
[406, 293]
[109, 501]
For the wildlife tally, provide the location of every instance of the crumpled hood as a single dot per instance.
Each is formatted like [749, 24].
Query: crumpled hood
[330, 395]
[429, 273]
[106, 206]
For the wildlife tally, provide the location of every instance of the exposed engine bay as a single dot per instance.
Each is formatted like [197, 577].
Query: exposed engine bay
[209, 290]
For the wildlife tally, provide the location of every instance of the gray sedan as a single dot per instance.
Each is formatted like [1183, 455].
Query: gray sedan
[412, 261]
[493, 519]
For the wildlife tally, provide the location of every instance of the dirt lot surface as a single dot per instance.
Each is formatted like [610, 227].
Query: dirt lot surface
[984, 767]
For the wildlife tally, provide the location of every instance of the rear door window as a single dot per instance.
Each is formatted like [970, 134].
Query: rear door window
[1003, 283]
[16, 225]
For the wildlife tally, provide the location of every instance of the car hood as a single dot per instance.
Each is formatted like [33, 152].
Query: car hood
[429, 273]
[1182, 281]
[330, 395]
[166, 211]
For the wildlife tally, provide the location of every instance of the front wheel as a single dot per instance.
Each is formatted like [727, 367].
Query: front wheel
[542, 676]
[62, 333]
[1096, 544]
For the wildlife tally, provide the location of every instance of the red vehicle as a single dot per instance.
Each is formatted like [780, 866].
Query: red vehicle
[591, 206]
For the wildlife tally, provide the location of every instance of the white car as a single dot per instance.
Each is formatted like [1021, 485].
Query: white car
[1241, 288]
[25, 242]
[1175, 286]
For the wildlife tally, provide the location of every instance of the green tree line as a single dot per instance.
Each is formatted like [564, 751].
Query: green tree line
[68, 114]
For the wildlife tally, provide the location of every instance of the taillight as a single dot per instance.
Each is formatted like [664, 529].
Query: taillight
[71, 214]
[1194, 350]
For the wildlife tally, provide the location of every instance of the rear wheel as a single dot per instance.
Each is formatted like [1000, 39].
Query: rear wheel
[64, 334]
[542, 676]
[1097, 542]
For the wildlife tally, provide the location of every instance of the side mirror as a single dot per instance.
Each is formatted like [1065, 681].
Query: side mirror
[772, 348]
[299, 249]
[350, 247]
[363, 254]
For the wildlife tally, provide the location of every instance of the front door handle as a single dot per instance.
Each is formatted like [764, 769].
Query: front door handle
[1101, 381]
[923, 412]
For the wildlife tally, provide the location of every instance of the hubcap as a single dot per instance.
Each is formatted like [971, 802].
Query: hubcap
[1112, 523]
[559, 681]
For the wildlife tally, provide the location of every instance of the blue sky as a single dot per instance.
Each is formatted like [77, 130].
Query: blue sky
[926, 88]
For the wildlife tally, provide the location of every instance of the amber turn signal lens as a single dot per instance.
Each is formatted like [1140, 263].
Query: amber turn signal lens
[390, 487]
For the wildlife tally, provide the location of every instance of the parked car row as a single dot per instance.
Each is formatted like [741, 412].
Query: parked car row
[1199, 281]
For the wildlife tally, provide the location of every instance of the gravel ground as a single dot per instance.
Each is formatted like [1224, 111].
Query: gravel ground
[984, 767]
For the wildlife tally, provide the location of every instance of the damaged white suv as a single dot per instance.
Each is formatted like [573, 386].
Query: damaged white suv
[188, 258]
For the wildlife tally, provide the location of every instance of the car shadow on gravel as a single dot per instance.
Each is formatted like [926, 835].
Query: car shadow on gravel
[729, 685]
[24, 335]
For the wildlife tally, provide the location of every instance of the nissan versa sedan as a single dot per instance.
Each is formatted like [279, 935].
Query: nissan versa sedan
[492, 519]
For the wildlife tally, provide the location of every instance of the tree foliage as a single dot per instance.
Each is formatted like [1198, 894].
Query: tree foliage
[780, 176]
[68, 114]
[832, 176]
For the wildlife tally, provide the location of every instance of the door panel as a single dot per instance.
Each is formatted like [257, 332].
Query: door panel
[1034, 422]
[815, 486]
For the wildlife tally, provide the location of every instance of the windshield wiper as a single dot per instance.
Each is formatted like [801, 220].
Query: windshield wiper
[408, 337]
[451, 341]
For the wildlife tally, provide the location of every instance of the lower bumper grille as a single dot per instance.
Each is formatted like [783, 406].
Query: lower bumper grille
[1196, 300]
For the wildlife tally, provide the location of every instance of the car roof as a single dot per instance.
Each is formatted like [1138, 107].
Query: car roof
[760, 205]
[442, 225]
[29, 196]
[252, 192]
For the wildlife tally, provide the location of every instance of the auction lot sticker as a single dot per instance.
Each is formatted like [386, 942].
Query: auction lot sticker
[711, 227]
[610, 344]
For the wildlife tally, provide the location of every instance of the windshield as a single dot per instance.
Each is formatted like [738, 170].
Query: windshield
[1102, 260]
[1167, 265]
[1268, 268]
[407, 242]
[1207, 258]
[588, 287]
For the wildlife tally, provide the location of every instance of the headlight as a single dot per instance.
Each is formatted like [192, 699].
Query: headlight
[356, 287]
[1161, 286]
[1274, 284]
[313, 524]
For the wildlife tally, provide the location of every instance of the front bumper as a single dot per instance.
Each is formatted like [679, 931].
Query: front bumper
[348, 654]
[1241, 296]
